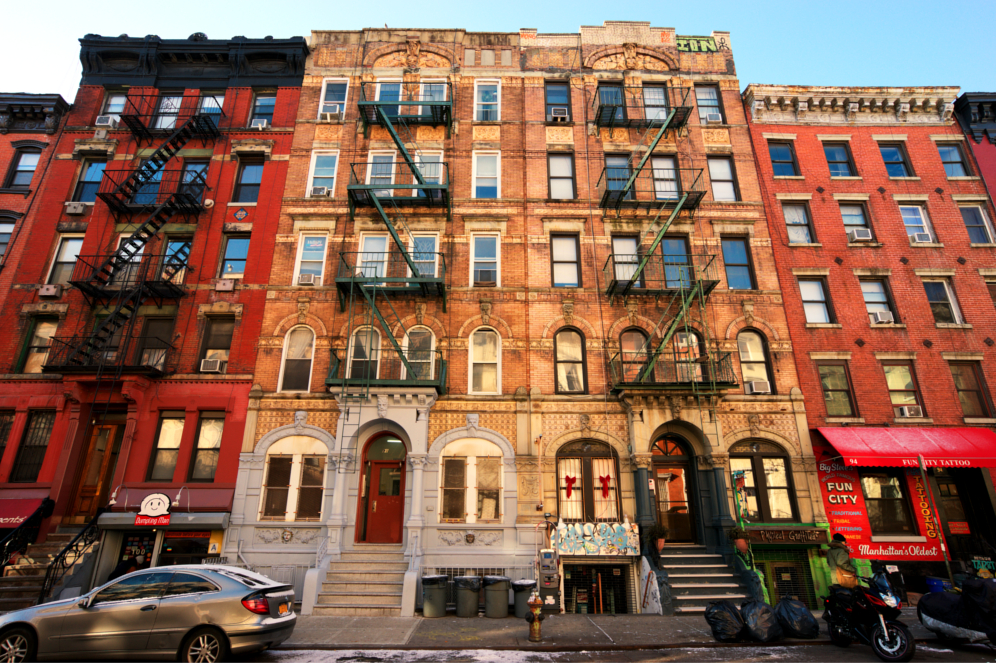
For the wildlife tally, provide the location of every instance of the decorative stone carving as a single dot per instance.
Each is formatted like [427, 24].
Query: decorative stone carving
[716, 136]
[489, 133]
[219, 308]
[470, 537]
[420, 312]
[473, 422]
[754, 422]
[632, 310]
[947, 111]
[486, 311]
[758, 109]
[382, 406]
[529, 486]
[417, 462]
[300, 419]
[426, 133]
[567, 306]
[902, 112]
[328, 132]
[422, 414]
[450, 537]
[634, 62]
[414, 49]
[748, 307]
[584, 423]
[616, 135]
[404, 59]
[676, 405]
[303, 304]
[269, 535]
[343, 462]
[851, 111]
[801, 108]
[559, 135]
[252, 147]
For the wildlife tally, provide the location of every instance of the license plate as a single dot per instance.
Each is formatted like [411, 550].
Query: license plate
[283, 608]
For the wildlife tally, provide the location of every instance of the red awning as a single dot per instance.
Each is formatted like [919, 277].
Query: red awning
[15, 511]
[901, 447]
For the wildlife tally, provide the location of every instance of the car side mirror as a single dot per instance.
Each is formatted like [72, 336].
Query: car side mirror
[84, 602]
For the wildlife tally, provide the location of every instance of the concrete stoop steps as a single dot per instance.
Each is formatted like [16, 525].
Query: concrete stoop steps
[698, 578]
[21, 583]
[367, 582]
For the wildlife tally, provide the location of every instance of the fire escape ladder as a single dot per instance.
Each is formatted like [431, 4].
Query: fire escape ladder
[685, 298]
[656, 138]
[661, 232]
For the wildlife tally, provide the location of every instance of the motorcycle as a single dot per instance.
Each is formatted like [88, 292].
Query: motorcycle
[968, 617]
[869, 615]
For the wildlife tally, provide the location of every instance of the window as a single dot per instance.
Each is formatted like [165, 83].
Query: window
[323, 165]
[487, 175]
[953, 159]
[65, 259]
[334, 97]
[364, 354]
[800, 231]
[154, 342]
[971, 387]
[39, 343]
[736, 258]
[902, 384]
[167, 449]
[389, 91]
[471, 482]
[247, 185]
[211, 104]
[877, 299]
[299, 350]
[419, 348]
[677, 262]
[373, 255]
[6, 230]
[617, 173]
[886, 503]
[167, 110]
[558, 95]
[487, 101]
[262, 107]
[431, 167]
[114, 103]
[753, 357]
[233, 264]
[431, 91]
[655, 102]
[218, 341]
[894, 156]
[148, 193]
[144, 586]
[205, 461]
[688, 353]
[839, 159]
[721, 175]
[814, 301]
[34, 444]
[6, 423]
[610, 97]
[295, 481]
[561, 176]
[587, 482]
[380, 172]
[571, 374]
[783, 159]
[665, 178]
[183, 584]
[763, 479]
[425, 254]
[22, 168]
[707, 99]
[485, 362]
[625, 259]
[916, 221]
[853, 215]
[565, 261]
[942, 300]
[194, 178]
[484, 261]
[311, 259]
[980, 230]
[836, 383]
[90, 176]
[633, 349]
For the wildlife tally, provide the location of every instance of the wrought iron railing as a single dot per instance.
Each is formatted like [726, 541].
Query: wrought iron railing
[629, 369]
[68, 556]
[655, 187]
[167, 273]
[186, 188]
[660, 273]
[162, 114]
[396, 181]
[136, 354]
[391, 269]
[641, 106]
[15, 543]
[383, 366]
[425, 102]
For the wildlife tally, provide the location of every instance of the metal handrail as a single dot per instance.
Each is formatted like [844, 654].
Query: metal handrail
[165, 112]
[398, 175]
[652, 188]
[169, 270]
[661, 272]
[24, 534]
[410, 94]
[637, 106]
[671, 369]
[187, 187]
[140, 353]
[69, 555]
[391, 268]
[384, 365]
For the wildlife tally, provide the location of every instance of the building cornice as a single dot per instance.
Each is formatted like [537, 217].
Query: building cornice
[873, 106]
[31, 113]
[977, 112]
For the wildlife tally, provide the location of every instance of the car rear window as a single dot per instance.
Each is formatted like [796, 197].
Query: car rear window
[187, 583]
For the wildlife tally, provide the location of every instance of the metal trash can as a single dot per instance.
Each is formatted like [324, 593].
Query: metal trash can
[468, 595]
[496, 596]
[522, 589]
[434, 596]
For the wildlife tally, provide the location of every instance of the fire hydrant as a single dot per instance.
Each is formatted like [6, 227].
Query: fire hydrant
[535, 616]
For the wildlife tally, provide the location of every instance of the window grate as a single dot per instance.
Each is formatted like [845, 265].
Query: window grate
[31, 453]
[6, 423]
[584, 594]
[787, 573]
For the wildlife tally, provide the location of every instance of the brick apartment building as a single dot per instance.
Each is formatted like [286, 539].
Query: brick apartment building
[133, 308]
[883, 239]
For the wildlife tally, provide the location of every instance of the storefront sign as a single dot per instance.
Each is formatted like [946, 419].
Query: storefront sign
[958, 527]
[597, 539]
[845, 507]
[154, 511]
[788, 535]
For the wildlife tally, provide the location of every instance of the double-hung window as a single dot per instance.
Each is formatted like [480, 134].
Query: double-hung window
[425, 254]
[753, 350]
[565, 257]
[978, 225]
[724, 187]
[815, 301]
[6, 230]
[34, 444]
[218, 341]
[233, 263]
[485, 261]
[800, 230]
[311, 259]
[783, 159]
[838, 157]
[114, 104]
[665, 176]
[558, 102]
[612, 102]
[762, 475]
[736, 258]
[707, 100]
[323, 167]
[389, 91]
[205, 458]
[211, 105]
[248, 183]
[162, 463]
[853, 215]
[561, 168]
[294, 487]
[886, 503]
[971, 387]
[836, 383]
[487, 101]
[587, 482]
[22, 168]
[953, 159]
[877, 299]
[90, 175]
[655, 103]
[487, 175]
[485, 362]
[570, 360]
[154, 342]
[39, 342]
[902, 384]
[299, 351]
[916, 221]
[896, 163]
[262, 107]
[430, 165]
[943, 303]
[471, 482]
[334, 97]
[65, 259]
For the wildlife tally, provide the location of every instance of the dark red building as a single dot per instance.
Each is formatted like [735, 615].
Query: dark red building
[883, 238]
[136, 302]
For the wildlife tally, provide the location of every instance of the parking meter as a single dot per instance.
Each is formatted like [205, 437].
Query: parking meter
[549, 580]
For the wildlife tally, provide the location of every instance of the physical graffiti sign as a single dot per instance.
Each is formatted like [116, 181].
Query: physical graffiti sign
[696, 44]
[596, 539]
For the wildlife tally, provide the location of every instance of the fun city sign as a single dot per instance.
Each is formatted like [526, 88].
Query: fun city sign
[154, 511]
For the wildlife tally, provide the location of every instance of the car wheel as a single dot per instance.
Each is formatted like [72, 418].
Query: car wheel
[16, 645]
[204, 646]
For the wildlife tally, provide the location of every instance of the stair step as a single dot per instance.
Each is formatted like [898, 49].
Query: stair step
[694, 566]
[715, 585]
[397, 567]
[708, 597]
[671, 576]
[361, 586]
[358, 610]
[693, 556]
[690, 609]
[393, 599]
[362, 576]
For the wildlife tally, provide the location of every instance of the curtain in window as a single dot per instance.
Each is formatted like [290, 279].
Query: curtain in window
[569, 483]
[488, 488]
[297, 364]
[604, 487]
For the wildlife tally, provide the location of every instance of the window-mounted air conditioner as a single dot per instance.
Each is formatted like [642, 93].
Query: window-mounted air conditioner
[107, 121]
[921, 238]
[259, 124]
[75, 209]
[307, 279]
[559, 114]
[860, 235]
[758, 387]
[911, 411]
[714, 118]
[321, 192]
[212, 366]
[883, 318]
[333, 115]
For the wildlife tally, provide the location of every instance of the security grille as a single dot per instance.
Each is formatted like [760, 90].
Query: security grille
[598, 589]
[31, 453]
[513, 573]
[787, 573]
[6, 422]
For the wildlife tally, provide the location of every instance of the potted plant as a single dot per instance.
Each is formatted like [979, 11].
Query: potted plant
[657, 534]
[738, 535]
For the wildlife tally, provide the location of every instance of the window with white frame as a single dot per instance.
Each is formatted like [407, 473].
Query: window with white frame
[431, 90]
[487, 175]
[430, 165]
[419, 346]
[485, 362]
[380, 171]
[980, 228]
[299, 351]
[389, 90]
[470, 482]
[485, 261]
[311, 258]
[425, 254]
[373, 256]
[334, 92]
[294, 483]
[364, 354]
[916, 221]
[943, 303]
[487, 101]
[65, 259]
[323, 169]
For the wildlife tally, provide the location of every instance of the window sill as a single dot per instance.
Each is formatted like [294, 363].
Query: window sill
[899, 539]
[912, 420]
[905, 179]
[845, 420]
[886, 325]
[845, 177]
[980, 420]
[963, 178]
[789, 177]
[805, 244]
[868, 245]
[952, 325]
[485, 123]
[569, 123]
[22, 192]
[824, 325]
[926, 245]
[987, 245]
[242, 204]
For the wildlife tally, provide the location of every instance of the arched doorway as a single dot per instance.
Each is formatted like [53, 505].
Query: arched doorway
[381, 507]
[673, 484]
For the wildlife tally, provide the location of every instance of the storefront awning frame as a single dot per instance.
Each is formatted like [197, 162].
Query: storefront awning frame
[903, 447]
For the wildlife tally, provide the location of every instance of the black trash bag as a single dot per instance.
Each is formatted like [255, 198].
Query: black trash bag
[796, 620]
[762, 625]
[978, 603]
[726, 622]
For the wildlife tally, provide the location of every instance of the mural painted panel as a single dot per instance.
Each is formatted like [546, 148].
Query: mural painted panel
[597, 539]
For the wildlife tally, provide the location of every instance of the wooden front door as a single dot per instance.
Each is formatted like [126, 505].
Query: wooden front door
[98, 469]
[673, 505]
[386, 501]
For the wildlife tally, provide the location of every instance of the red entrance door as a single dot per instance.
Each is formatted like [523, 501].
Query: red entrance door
[385, 501]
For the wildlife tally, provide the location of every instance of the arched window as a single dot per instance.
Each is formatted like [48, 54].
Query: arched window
[633, 351]
[295, 480]
[571, 372]
[470, 482]
[299, 350]
[587, 482]
[419, 346]
[688, 352]
[763, 481]
[485, 362]
[364, 354]
[754, 363]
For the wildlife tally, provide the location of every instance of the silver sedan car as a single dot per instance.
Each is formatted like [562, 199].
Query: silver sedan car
[194, 613]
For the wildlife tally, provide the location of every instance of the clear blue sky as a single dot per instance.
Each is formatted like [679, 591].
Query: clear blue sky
[848, 42]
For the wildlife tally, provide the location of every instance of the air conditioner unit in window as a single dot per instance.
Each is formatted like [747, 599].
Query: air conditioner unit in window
[921, 238]
[334, 114]
[213, 366]
[860, 235]
[75, 209]
[758, 387]
[559, 111]
[914, 411]
[107, 121]
[259, 124]
[714, 118]
[320, 192]
[307, 279]
[557, 118]
[883, 318]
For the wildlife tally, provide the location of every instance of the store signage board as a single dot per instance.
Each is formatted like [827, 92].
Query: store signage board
[154, 511]
[788, 535]
[958, 527]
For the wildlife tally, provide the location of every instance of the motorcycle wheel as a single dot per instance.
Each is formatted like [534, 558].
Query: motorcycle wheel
[838, 634]
[900, 646]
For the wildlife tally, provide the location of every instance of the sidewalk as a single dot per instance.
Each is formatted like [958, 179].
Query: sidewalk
[560, 632]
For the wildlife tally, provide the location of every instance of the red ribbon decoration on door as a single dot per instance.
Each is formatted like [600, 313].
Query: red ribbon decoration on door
[605, 486]
[570, 481]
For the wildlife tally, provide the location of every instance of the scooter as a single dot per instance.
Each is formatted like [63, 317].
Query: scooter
[869, 615]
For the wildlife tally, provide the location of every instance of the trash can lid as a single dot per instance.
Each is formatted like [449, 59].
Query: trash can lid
[493, 580]
[523, 585]
[432, 581]
[468, 582]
